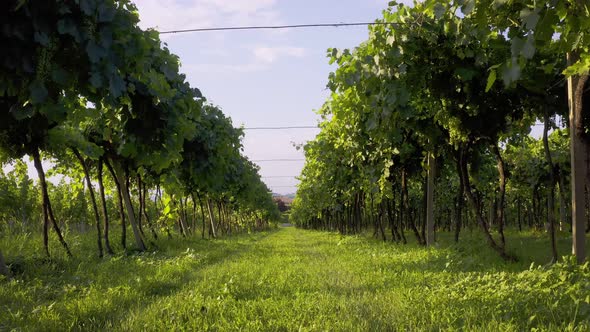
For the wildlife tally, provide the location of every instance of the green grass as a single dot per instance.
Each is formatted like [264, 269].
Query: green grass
[291, 280]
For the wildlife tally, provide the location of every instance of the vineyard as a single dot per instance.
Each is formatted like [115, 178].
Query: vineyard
[84, 86]
[426, 201]
[428, 124]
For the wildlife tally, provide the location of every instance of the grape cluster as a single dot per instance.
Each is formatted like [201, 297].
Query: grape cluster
[90, 26]
[45, 58]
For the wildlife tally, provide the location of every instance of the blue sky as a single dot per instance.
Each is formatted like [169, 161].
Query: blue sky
[262, 78]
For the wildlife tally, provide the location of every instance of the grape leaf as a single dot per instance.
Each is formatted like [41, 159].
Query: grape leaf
[38, 92]
[491, 80]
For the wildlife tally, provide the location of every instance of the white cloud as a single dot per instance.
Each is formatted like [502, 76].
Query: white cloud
[184, 14]
[218, 68]
[215, 52]
[264, 57]
[270, 54]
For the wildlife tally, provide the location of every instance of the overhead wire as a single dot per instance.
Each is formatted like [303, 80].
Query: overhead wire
[281, 128]
[276, 27]
[279, 176]
[264, 160]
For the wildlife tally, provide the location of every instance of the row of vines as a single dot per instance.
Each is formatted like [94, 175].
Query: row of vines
[82, 86]
[427, 127]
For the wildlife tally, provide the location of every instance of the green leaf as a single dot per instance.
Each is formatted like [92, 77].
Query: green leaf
[491, 80]
[528, 49]
[42, 38]
[582, 66]
[510, 73]
[106, 37]
[128, 149]
[68, 27]
[94, 51]
[116, 86]
[105, 13]
[404, 96]
[88, 6]
[96, 80]
[54, 112]
[166, 210]
[530, 18]
[467, 8]
[371, 123]
[21, 112]
[390, 40]
[466, 74]
[499, 3]
[197, 93]
[516, 46]
[545, 27]
[574, 40]
[169, 72]
[38, 92]
[59, 75]
[450, 27]
[439, 11]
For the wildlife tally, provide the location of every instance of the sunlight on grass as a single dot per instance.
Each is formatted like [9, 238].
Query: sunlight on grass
[293, 279]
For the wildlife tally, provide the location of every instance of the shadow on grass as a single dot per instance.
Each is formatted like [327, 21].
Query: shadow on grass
[84, 293]
[471, 254]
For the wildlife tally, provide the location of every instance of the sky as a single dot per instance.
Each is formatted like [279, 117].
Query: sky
[262, 78]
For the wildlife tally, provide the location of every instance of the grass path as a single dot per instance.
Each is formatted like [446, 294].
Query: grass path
[290, 280]
[296, 280]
